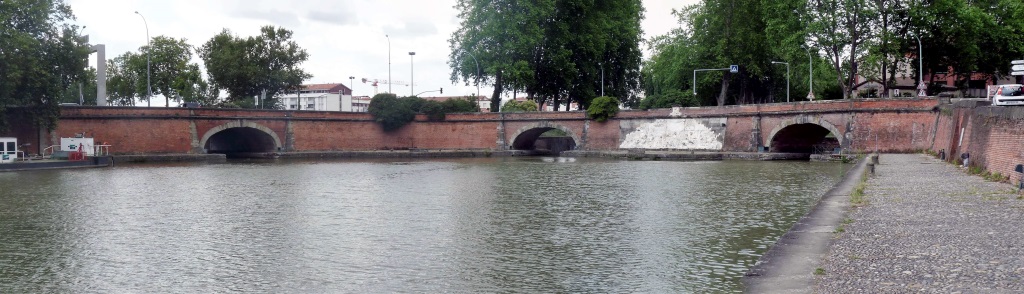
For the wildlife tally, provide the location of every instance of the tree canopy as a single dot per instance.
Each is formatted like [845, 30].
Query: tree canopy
[847, 42]
[246, 67]
[171, 74]
[41, 57]
[552, 50]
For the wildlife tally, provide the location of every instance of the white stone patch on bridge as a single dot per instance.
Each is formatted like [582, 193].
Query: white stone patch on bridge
[680, 134]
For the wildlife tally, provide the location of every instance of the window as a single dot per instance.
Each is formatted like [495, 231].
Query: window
[10, 147]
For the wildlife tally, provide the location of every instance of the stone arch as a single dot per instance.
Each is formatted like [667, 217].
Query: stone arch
[809, 126]
[240, 136]
[525, 137]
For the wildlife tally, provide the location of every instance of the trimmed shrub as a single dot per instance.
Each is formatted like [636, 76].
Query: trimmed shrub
[603, 108]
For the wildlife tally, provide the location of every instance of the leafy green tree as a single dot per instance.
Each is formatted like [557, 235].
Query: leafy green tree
[465, 104]
[603, 108]
[171, 74]
[517, 106]
[246, 67]
[550, 49]
[390, 111]
[84, 91]
[41, 56]
[669, 98]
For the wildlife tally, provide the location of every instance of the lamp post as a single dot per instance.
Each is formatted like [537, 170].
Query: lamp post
[810, 69]
[602, 78]
[412, 77]
[787, 77]
[351, 82]
[920, 64]
[389, 65]
[149, 87]
[477, 73]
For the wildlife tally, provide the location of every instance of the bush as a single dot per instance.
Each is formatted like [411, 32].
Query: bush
[516, 106]
[603, 108]
[391, 112]
[465, 104]
[434, 110]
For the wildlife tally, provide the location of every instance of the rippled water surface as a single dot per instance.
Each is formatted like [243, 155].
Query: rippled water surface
[462, 225]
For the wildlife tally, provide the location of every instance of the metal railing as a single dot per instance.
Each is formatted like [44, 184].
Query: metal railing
[48, 151]
[101, 150]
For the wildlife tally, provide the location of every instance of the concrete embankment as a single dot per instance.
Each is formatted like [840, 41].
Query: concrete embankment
[789, 265]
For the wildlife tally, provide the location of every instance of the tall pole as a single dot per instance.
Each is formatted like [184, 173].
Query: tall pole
[810, 69]
[920, 61]
[351, 81]
[149, 87]
[389, 64]
[602, 78]
[477, 72]
[412, 77]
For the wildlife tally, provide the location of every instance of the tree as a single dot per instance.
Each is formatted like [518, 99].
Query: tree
[84, 91]
[246, 67]
[41, 56]
[550, 49]
[170, 70]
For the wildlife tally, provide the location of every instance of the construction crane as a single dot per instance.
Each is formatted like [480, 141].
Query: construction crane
[374, 83]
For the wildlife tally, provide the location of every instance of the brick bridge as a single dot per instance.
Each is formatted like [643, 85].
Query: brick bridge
[897, 125]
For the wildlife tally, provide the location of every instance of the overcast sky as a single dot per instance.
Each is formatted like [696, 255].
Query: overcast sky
[343, 37]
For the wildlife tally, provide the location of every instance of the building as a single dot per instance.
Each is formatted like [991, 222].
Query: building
[319, 97]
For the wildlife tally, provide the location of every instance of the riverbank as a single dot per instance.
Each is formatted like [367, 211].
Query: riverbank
[929, 227]
[788, 266]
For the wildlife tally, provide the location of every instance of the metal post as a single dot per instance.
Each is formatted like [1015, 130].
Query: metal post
[389, 63]
[412, 77]
[602, 78]
[149, 87]
[920, 61]
[477, 73]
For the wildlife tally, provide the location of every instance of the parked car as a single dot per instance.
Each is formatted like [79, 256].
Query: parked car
[1009, 94]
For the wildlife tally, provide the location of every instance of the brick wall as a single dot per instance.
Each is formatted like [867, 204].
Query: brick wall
[891, 125]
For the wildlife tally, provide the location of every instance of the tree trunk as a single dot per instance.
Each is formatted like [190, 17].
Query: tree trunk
[496, 96]
[725, 89]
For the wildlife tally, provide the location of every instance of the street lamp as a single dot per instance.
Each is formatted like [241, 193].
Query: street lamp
[351, 81]
[389, 65]
[477, 72]
[412, 77]
[920, 64]
[787, 77]
[602, 78]
[149, 87]
[810, 68]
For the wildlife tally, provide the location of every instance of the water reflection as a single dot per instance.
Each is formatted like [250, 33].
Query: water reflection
[461, 225]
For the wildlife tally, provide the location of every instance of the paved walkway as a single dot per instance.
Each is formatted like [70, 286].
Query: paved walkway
[929, 227]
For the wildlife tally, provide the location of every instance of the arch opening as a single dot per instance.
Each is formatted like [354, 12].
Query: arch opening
[241, 142]
[805, 138]
[544, 141]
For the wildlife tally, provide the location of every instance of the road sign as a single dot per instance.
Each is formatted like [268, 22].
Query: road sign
[1018, 67]
[1017, 73]
[734, 68]
[1017, 62]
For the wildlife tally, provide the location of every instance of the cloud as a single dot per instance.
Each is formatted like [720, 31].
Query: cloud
[413, 29]
[333, 17]
[274, 16]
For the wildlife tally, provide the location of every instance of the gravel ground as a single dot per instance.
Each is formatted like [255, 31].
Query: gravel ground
[929, 227]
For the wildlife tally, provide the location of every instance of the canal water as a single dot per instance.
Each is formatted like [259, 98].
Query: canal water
[544, 225]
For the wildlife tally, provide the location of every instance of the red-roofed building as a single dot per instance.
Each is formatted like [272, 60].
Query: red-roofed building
[319, 97]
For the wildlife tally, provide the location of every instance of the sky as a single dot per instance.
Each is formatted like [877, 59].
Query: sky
[344, 38]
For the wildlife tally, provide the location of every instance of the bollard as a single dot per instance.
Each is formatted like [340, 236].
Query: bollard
[871, 168]
[874, 159]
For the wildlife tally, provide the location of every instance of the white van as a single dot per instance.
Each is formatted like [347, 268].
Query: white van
[1009, 94]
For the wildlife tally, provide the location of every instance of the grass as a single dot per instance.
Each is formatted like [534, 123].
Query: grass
[819, 271]
[857, 197]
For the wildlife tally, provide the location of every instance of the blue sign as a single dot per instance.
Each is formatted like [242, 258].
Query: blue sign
[734, 68]
[7, 157]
